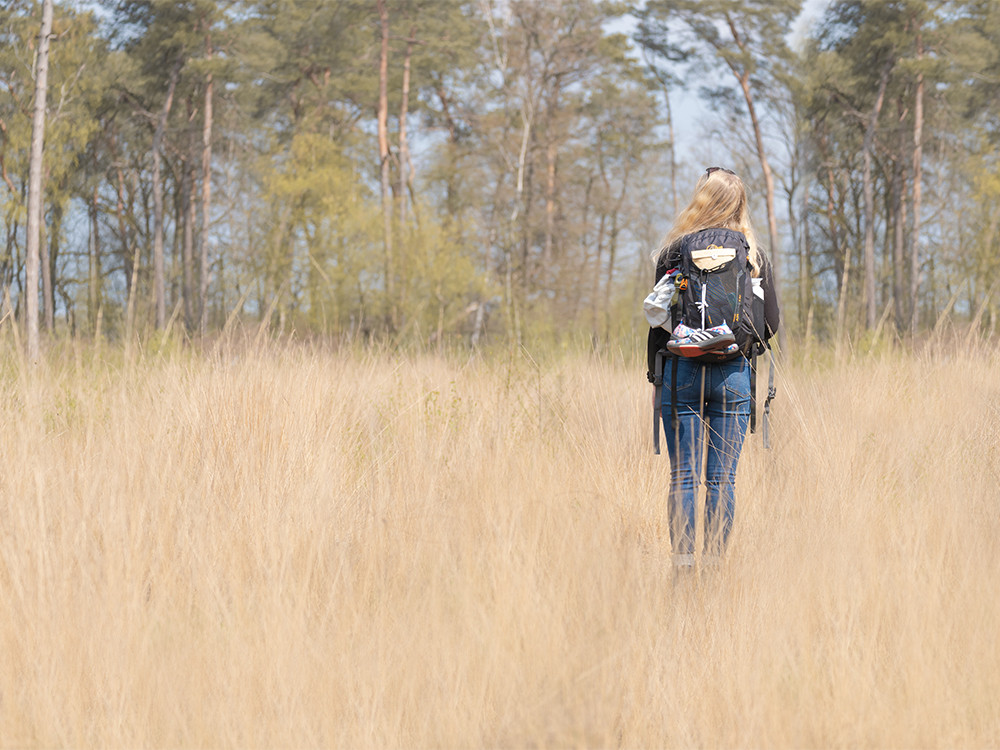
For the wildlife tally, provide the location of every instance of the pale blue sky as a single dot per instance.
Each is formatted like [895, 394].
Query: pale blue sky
[811, 10]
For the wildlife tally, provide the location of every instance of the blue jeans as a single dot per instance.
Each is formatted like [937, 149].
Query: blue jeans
[716, 396]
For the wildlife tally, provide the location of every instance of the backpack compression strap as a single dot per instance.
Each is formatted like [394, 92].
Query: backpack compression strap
[771, 392]
[657, 394]
[675, 421]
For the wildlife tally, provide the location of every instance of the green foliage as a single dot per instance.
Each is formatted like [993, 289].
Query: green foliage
[440, 280]
[321, 229]
[542, 171]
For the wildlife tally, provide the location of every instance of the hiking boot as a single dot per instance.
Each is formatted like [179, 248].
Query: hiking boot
[683, 569]
[682, 560]
[710, 562]
[692, 342]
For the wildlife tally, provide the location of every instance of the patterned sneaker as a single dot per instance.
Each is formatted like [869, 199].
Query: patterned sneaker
[682, 332]
[699, 341]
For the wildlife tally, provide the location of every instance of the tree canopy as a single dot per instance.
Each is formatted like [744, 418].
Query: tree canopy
[423, 171]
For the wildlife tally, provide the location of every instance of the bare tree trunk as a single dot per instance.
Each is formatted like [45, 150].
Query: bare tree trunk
[383, 155]
[130, 258]
[918, 159]
[189, 210]
[575, 300]
[673, 152]
[551, 153]
[765, 166]
[807, 274]
[523, 185]
[50, 249]
[206, 196]
[899, 231]
[133, 295]
[127, 260]
[405, 162]
[845, 276]
[596, 279]
[94, 285]
[793, 229]
[805, 262]
[451, 192]
[190, 276]
[175, 290]
[159, 291]
[527, 117]
[551, 156]
[612, 252]
[871, 311]
[898, 252]
[527, 272]
[35, 183]
[439, 333]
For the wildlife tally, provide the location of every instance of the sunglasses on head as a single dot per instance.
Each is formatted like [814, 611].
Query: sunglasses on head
[712, 170]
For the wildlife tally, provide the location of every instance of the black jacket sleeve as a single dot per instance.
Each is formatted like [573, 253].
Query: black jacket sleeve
[772, 313]
[658, 337]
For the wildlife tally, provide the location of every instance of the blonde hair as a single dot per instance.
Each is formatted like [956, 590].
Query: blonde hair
[720, 200]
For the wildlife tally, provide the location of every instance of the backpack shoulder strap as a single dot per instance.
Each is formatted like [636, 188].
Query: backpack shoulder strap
[657, 396]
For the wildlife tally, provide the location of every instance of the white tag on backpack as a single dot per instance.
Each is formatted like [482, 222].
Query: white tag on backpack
[712, 257]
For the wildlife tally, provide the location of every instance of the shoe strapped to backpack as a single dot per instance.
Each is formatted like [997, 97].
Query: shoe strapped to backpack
[693, 342]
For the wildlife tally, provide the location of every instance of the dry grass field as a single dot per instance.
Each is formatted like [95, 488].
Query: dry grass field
[305, 548]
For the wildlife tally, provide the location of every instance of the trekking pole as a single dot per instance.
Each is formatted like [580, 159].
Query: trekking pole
[771, 392]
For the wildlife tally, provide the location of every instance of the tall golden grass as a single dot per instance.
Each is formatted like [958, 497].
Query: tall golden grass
[292, 547]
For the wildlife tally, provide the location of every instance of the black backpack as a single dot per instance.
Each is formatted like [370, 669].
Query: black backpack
[714, 284]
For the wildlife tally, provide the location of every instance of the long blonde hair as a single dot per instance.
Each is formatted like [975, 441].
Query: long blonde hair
[720, 200]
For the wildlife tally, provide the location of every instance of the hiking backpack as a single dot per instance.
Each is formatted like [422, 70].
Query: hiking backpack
[711, 284]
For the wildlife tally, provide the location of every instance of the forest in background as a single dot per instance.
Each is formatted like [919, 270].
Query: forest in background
[445, 170]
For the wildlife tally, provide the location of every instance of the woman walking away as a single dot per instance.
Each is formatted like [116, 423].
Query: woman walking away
[710, 267]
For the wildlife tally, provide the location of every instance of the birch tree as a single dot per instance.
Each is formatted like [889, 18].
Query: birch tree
[35, 183]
